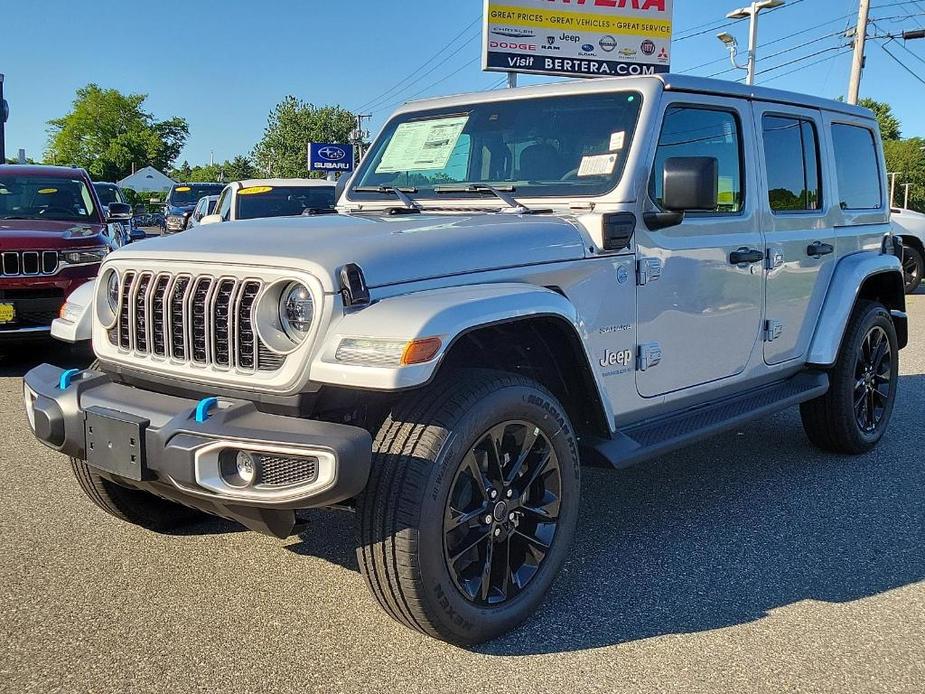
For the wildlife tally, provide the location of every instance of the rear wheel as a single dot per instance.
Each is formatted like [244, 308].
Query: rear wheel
[471, 505]
[853, 415]
[913, 267]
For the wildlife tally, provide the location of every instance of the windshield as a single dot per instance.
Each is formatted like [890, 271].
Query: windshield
[189, 194]
[45, 197]
[282, 201]
[553, 146]
[108, 193]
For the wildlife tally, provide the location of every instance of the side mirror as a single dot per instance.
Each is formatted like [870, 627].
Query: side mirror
[211, 219]
[689, 184]
[120, 212]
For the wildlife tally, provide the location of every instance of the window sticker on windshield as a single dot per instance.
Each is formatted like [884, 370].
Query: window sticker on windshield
[616, 141]
[255, 190]
[47, 191]
[422, 145]
[182, 189]
[598, 165]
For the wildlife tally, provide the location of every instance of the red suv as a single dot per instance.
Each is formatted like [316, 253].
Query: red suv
[53, 235]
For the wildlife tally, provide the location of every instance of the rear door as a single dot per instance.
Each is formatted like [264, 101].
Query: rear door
[798, 220]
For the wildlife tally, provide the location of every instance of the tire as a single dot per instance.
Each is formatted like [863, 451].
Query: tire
[131, 505]
[913, 267]
[832, 421]
[420, 462]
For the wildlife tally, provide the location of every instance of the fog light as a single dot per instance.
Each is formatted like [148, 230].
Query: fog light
[246, 467]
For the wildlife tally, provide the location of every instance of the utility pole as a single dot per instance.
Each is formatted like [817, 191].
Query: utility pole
[751, 11]
[512, 80]
[857, 63]
[4, 112]
[359, 135]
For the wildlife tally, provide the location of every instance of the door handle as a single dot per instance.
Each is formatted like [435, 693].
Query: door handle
[818, 249]
[746, 256]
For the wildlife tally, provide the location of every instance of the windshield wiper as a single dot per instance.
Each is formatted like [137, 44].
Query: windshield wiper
[503, 193]
[312, 211]
[400, 193]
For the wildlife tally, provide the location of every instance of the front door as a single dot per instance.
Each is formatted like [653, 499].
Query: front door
[703, 315]
[799, 228]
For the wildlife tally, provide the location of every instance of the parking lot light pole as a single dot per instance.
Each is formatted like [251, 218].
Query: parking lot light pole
[751, 11]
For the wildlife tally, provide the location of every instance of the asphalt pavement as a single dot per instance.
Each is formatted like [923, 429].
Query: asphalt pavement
[748, 563]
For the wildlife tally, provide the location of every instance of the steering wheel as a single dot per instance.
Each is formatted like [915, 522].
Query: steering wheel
[60, 210]
[570, 176]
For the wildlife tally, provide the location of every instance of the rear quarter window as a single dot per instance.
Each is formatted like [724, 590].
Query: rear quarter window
[857, 166]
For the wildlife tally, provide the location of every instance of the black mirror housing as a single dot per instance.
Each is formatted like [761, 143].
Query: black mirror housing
[120, 212]
[690, 183]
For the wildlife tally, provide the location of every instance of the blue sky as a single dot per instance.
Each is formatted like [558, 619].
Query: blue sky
[224, 65]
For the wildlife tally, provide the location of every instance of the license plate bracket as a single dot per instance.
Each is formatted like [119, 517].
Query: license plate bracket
[116, 442]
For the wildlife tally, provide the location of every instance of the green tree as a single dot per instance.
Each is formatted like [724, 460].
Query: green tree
[239, 169]
[107, 132]
[890, 128]
[908, 158]
[283, 150]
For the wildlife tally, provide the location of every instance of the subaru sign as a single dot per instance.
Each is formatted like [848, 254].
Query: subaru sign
[329, 158]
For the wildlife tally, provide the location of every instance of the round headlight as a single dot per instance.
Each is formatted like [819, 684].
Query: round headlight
[112, 291]
[296, 311]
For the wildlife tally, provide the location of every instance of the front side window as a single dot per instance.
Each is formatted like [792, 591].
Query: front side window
[45, 197]
[223, 208]
[108, 194]
[282, 201]
[555, 146]
[856, 161]
[691, 131]
[791, 152]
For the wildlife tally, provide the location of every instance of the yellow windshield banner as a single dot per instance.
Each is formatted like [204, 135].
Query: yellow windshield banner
[47, 191]
[183, 189]
[255, 190]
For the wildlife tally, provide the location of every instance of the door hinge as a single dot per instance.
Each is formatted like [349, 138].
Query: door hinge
[648, 270]
[650, 356]
[773, 330]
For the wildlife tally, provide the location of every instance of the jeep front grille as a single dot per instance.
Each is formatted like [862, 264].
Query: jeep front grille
[28, 263]
[200, 320]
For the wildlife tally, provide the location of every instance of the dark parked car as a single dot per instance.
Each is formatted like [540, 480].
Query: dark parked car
[54, 231]
[181, 201]
[109, 193]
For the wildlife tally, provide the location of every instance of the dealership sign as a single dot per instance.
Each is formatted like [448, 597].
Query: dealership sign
[329, 158]
[578, 38]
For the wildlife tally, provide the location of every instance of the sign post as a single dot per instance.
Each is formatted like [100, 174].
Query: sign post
[578, 38]
[330, 159]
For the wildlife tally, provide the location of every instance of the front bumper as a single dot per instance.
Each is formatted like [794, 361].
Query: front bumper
[177, 456]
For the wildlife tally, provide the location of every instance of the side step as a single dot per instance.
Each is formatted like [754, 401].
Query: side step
[655, 437]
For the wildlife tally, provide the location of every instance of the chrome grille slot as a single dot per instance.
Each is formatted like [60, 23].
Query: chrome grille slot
[192, 319]
[199, 325]
[11, 263]
[178, 318]
[157, 308]
[49, 262]
[29, 263]
[140, 306]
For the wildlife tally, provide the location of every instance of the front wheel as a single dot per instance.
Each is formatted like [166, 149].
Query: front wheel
[853, 415]
[913, 267]
[471, 505]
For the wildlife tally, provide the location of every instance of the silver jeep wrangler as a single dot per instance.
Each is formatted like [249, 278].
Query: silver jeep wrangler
[515, 283]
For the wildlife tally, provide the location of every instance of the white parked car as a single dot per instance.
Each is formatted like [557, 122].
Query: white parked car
[272, 197]
[910, 227]
[204, 208]
[514, 283]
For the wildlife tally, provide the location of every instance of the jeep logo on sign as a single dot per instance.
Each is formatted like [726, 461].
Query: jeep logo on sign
[332, 153]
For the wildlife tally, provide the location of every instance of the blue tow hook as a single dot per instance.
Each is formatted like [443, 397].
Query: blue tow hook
[203, 408]
[66, 377]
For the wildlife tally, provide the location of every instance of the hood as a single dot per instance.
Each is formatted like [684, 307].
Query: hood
[181, 209]
[390, 250]
[26, 234]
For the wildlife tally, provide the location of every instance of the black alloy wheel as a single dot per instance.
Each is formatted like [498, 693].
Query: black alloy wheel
[913, 266]
[502, 513]
[873, 375]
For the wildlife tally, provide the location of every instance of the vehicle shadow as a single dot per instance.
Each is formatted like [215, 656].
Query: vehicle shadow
[18, 358]
[721, 533]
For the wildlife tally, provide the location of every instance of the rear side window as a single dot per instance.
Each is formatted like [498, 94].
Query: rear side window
[791, 153]
[689, 131]
[856, 162]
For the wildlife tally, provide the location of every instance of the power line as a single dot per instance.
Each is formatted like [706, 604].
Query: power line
[432, 85]
[800, 59]
[901, 63]
[803, 67]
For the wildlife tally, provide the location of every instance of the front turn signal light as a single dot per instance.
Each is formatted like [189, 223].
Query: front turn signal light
[419, 351]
